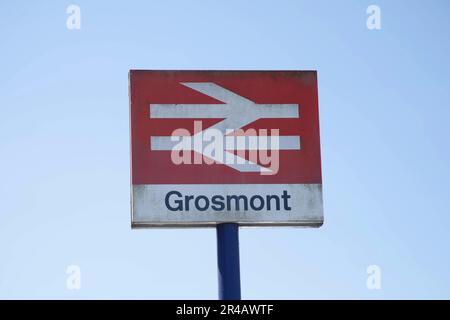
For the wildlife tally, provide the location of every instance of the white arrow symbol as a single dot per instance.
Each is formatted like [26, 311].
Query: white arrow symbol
[236, 111]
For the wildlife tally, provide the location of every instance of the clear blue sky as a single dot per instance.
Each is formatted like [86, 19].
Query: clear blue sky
[384, 106]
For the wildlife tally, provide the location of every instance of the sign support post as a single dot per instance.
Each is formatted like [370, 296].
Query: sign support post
[228, 261]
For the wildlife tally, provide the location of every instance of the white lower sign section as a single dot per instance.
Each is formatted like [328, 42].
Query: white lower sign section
[209, 204]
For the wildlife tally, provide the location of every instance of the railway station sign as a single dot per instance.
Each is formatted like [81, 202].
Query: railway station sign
[211, 147]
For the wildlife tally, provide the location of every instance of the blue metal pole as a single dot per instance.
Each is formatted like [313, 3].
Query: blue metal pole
[228, 261]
